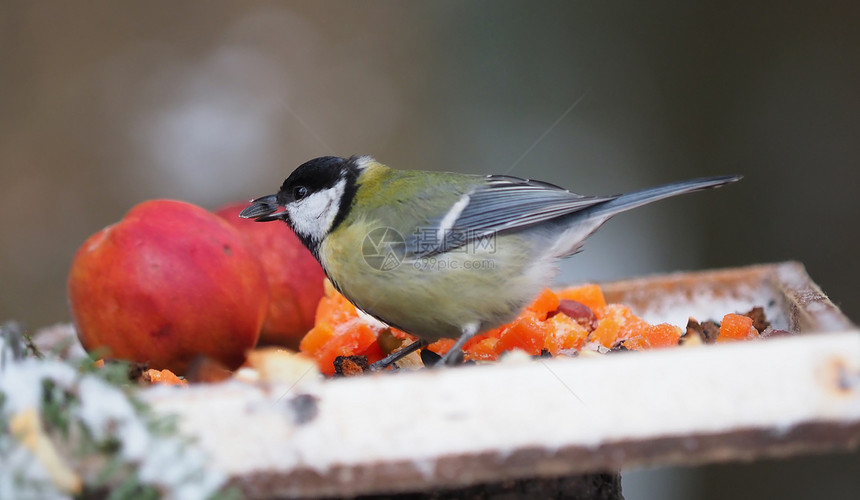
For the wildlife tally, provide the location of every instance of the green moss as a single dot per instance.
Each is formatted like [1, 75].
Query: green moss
[99, 461]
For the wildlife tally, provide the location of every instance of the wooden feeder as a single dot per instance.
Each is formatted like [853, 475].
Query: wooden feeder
[541, 420]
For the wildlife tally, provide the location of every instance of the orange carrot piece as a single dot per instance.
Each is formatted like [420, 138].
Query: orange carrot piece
[316, 338]
[349, 339]
[442, 346]
[339, 331]
[484, 350]
[591, 295]
[373, 352]
[653, 337]
[524, 333]
[607, 332]
[335, 309]
[664, 335]
[544, 304]
[166, 377]
[563, 333]
[736, 327]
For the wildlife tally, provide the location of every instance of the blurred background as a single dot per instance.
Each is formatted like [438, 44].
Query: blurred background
[104, 105]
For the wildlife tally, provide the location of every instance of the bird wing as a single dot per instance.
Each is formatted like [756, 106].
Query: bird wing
[499, 203]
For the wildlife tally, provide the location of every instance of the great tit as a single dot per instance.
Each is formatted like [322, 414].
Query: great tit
[437, 254]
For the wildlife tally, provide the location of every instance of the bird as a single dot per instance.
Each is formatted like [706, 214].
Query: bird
[441, 255]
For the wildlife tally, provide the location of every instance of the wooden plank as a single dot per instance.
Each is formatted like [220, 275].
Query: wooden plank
[529, 418]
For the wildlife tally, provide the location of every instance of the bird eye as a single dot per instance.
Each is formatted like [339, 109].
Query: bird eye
[299, 192]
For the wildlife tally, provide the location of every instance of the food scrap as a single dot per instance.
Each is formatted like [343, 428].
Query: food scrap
[166, 377]
[574, 321]
[565, 322]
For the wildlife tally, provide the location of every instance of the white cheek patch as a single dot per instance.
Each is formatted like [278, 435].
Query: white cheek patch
[313, 216]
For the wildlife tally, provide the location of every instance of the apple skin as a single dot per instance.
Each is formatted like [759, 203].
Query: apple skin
[295, 277]
[169, 282]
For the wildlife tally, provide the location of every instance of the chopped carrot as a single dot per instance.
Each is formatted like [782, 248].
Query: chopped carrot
[544, 304]
[350, 338]
[524, 333]
[441, 347]
[652, 337]
[339, 331]
[591, 295]
[373, 352]
[736, 327]
[618, 323]
[665, 335]
[475, 340]
[563, 333]
[166, 377]
[607, 332]
[484, 350]
[316, 338]
[495, 332]
[335, 309]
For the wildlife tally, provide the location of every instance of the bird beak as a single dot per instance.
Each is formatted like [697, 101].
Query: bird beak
[264, 209]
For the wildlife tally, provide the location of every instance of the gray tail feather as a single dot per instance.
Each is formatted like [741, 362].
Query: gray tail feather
[630, 201]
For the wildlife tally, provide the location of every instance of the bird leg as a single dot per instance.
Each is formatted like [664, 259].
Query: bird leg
[455, 355]
[398, 355]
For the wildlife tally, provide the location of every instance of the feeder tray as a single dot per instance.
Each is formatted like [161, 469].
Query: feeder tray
[532, 422]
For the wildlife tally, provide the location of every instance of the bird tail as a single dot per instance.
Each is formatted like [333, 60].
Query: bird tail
[636, 199]
[584, 223]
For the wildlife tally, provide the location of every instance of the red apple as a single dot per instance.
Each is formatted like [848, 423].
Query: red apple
[167, 283]
[295, 277]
